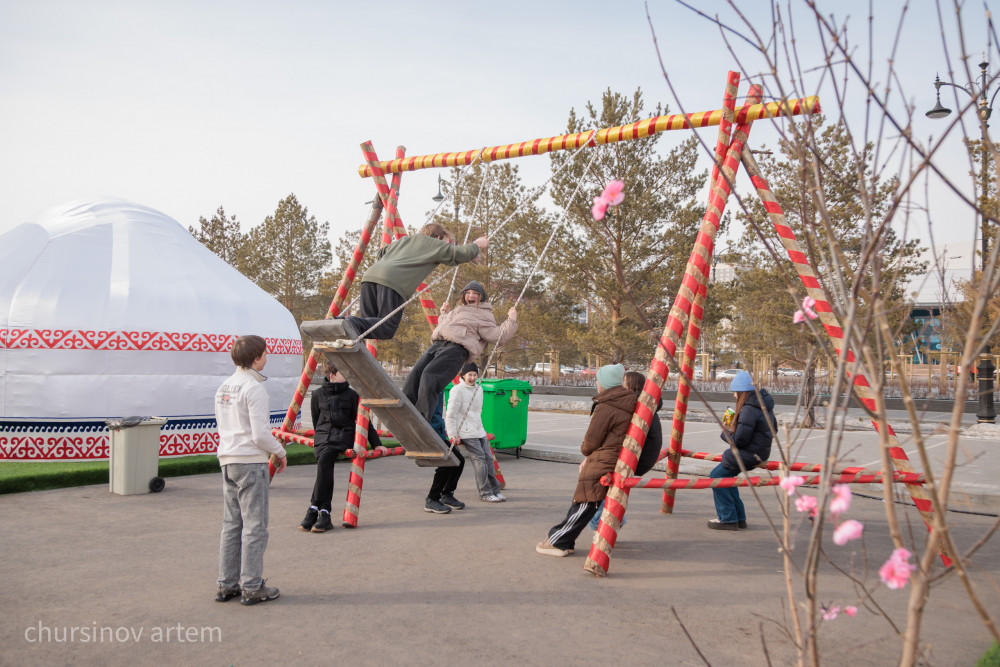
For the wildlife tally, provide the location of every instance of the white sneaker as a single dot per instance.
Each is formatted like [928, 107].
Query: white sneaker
[499, 496]
[491, 499]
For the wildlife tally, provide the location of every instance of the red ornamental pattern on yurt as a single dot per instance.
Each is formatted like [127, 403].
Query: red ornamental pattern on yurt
[156, 341]
[76, 447]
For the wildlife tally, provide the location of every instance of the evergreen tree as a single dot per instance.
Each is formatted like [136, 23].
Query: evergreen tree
[625, 268]
[222, 236]
[287, 255]
[836, 205]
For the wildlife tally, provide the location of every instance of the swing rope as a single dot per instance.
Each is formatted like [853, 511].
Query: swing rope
[517, 210]
[468, 228]
[538, 262]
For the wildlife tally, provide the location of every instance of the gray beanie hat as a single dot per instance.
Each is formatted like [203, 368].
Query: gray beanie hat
[476, 286]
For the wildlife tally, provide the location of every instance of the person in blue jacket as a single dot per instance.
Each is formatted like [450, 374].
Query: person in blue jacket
[749, 436]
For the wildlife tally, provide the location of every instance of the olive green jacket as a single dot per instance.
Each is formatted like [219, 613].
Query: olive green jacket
[402, 265]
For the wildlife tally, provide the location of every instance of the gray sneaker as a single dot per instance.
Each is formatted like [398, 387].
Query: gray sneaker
[435, 506]
[262, 594]
[452, 502]
[224, 594]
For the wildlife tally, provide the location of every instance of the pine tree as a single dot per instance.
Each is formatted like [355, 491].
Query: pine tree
[287, 255]
[836, 205]
[625, 268]
[222, 236]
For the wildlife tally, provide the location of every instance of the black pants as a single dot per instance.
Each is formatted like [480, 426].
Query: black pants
[431, 374]
[563, 535]
[446, 478]
[377, 301]
[322, 494]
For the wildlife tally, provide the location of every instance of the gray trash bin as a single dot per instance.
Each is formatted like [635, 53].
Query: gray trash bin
[134, 455]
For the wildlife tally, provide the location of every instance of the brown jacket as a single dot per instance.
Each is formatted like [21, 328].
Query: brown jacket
[608, 424]
[472, 327]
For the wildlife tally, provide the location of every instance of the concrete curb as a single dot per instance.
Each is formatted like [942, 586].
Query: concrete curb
[784, 418]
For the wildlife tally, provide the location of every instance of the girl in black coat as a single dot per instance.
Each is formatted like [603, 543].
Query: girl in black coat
[750, 432]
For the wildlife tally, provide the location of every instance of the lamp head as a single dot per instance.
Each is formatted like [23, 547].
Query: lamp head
[938, 111]
[438, 197]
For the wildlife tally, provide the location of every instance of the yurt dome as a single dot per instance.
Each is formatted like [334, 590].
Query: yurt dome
[109, 308]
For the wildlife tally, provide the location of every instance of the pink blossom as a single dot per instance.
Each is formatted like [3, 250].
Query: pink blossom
[831, 613]
[613, 193]
[841, 499]
[600, 208]
[789, 483]
[807, 311]
[895, 572]
[806, 504]
[847, 531]
[612, 196]
[851, 611]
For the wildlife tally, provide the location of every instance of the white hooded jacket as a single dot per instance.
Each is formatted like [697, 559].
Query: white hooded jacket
[243, 415]
[465, 412]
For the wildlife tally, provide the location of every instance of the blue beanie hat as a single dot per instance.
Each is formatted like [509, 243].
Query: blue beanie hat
[742, 382]
[610, 376]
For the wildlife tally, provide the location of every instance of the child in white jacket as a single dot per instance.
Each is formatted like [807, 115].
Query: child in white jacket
[245, 447]
[464, 424]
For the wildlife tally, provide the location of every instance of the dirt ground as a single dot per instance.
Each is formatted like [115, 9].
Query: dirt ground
[134, 578]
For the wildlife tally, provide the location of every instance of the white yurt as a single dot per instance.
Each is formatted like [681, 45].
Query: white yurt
[109, 309]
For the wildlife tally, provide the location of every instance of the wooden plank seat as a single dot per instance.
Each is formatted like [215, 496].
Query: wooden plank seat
[378, 392]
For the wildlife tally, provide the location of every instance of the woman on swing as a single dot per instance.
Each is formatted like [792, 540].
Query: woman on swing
[749, 435]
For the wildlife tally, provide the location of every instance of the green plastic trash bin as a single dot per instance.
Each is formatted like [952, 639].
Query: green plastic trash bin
[505, 411]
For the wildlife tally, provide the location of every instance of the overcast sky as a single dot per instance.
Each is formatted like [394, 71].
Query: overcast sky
[187, 105]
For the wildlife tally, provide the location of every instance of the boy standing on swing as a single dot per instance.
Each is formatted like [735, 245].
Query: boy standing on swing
[401, 267]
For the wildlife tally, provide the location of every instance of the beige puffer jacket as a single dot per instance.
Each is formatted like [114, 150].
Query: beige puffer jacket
[472, 327]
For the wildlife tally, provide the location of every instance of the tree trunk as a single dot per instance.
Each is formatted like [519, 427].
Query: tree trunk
[810, 395]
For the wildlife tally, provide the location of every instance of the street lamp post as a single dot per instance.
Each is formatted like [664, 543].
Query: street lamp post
[439, 197]
[978, 91]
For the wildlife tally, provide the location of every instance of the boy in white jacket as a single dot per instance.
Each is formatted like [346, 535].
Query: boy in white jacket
[464, 424]
[245, 446]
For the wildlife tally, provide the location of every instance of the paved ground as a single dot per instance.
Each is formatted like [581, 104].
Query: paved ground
[416, 588]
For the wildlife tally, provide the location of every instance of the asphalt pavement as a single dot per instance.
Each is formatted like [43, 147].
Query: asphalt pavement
[94, 578]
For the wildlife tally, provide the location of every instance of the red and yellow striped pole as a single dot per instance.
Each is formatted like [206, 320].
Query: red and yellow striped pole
[496, 469]
[356, 481]
[334, 310]
[908, 478]
[638, 130]
[698, 308]
[394, 223]
[835, 331]
[599, 557]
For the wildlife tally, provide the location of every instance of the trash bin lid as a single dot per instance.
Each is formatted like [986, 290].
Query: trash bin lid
[506, 384]
[129, 422]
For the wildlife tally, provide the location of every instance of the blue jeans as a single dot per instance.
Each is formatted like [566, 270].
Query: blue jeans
[728, 505]
[482, 466]
[244, 525]
[596, 521]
